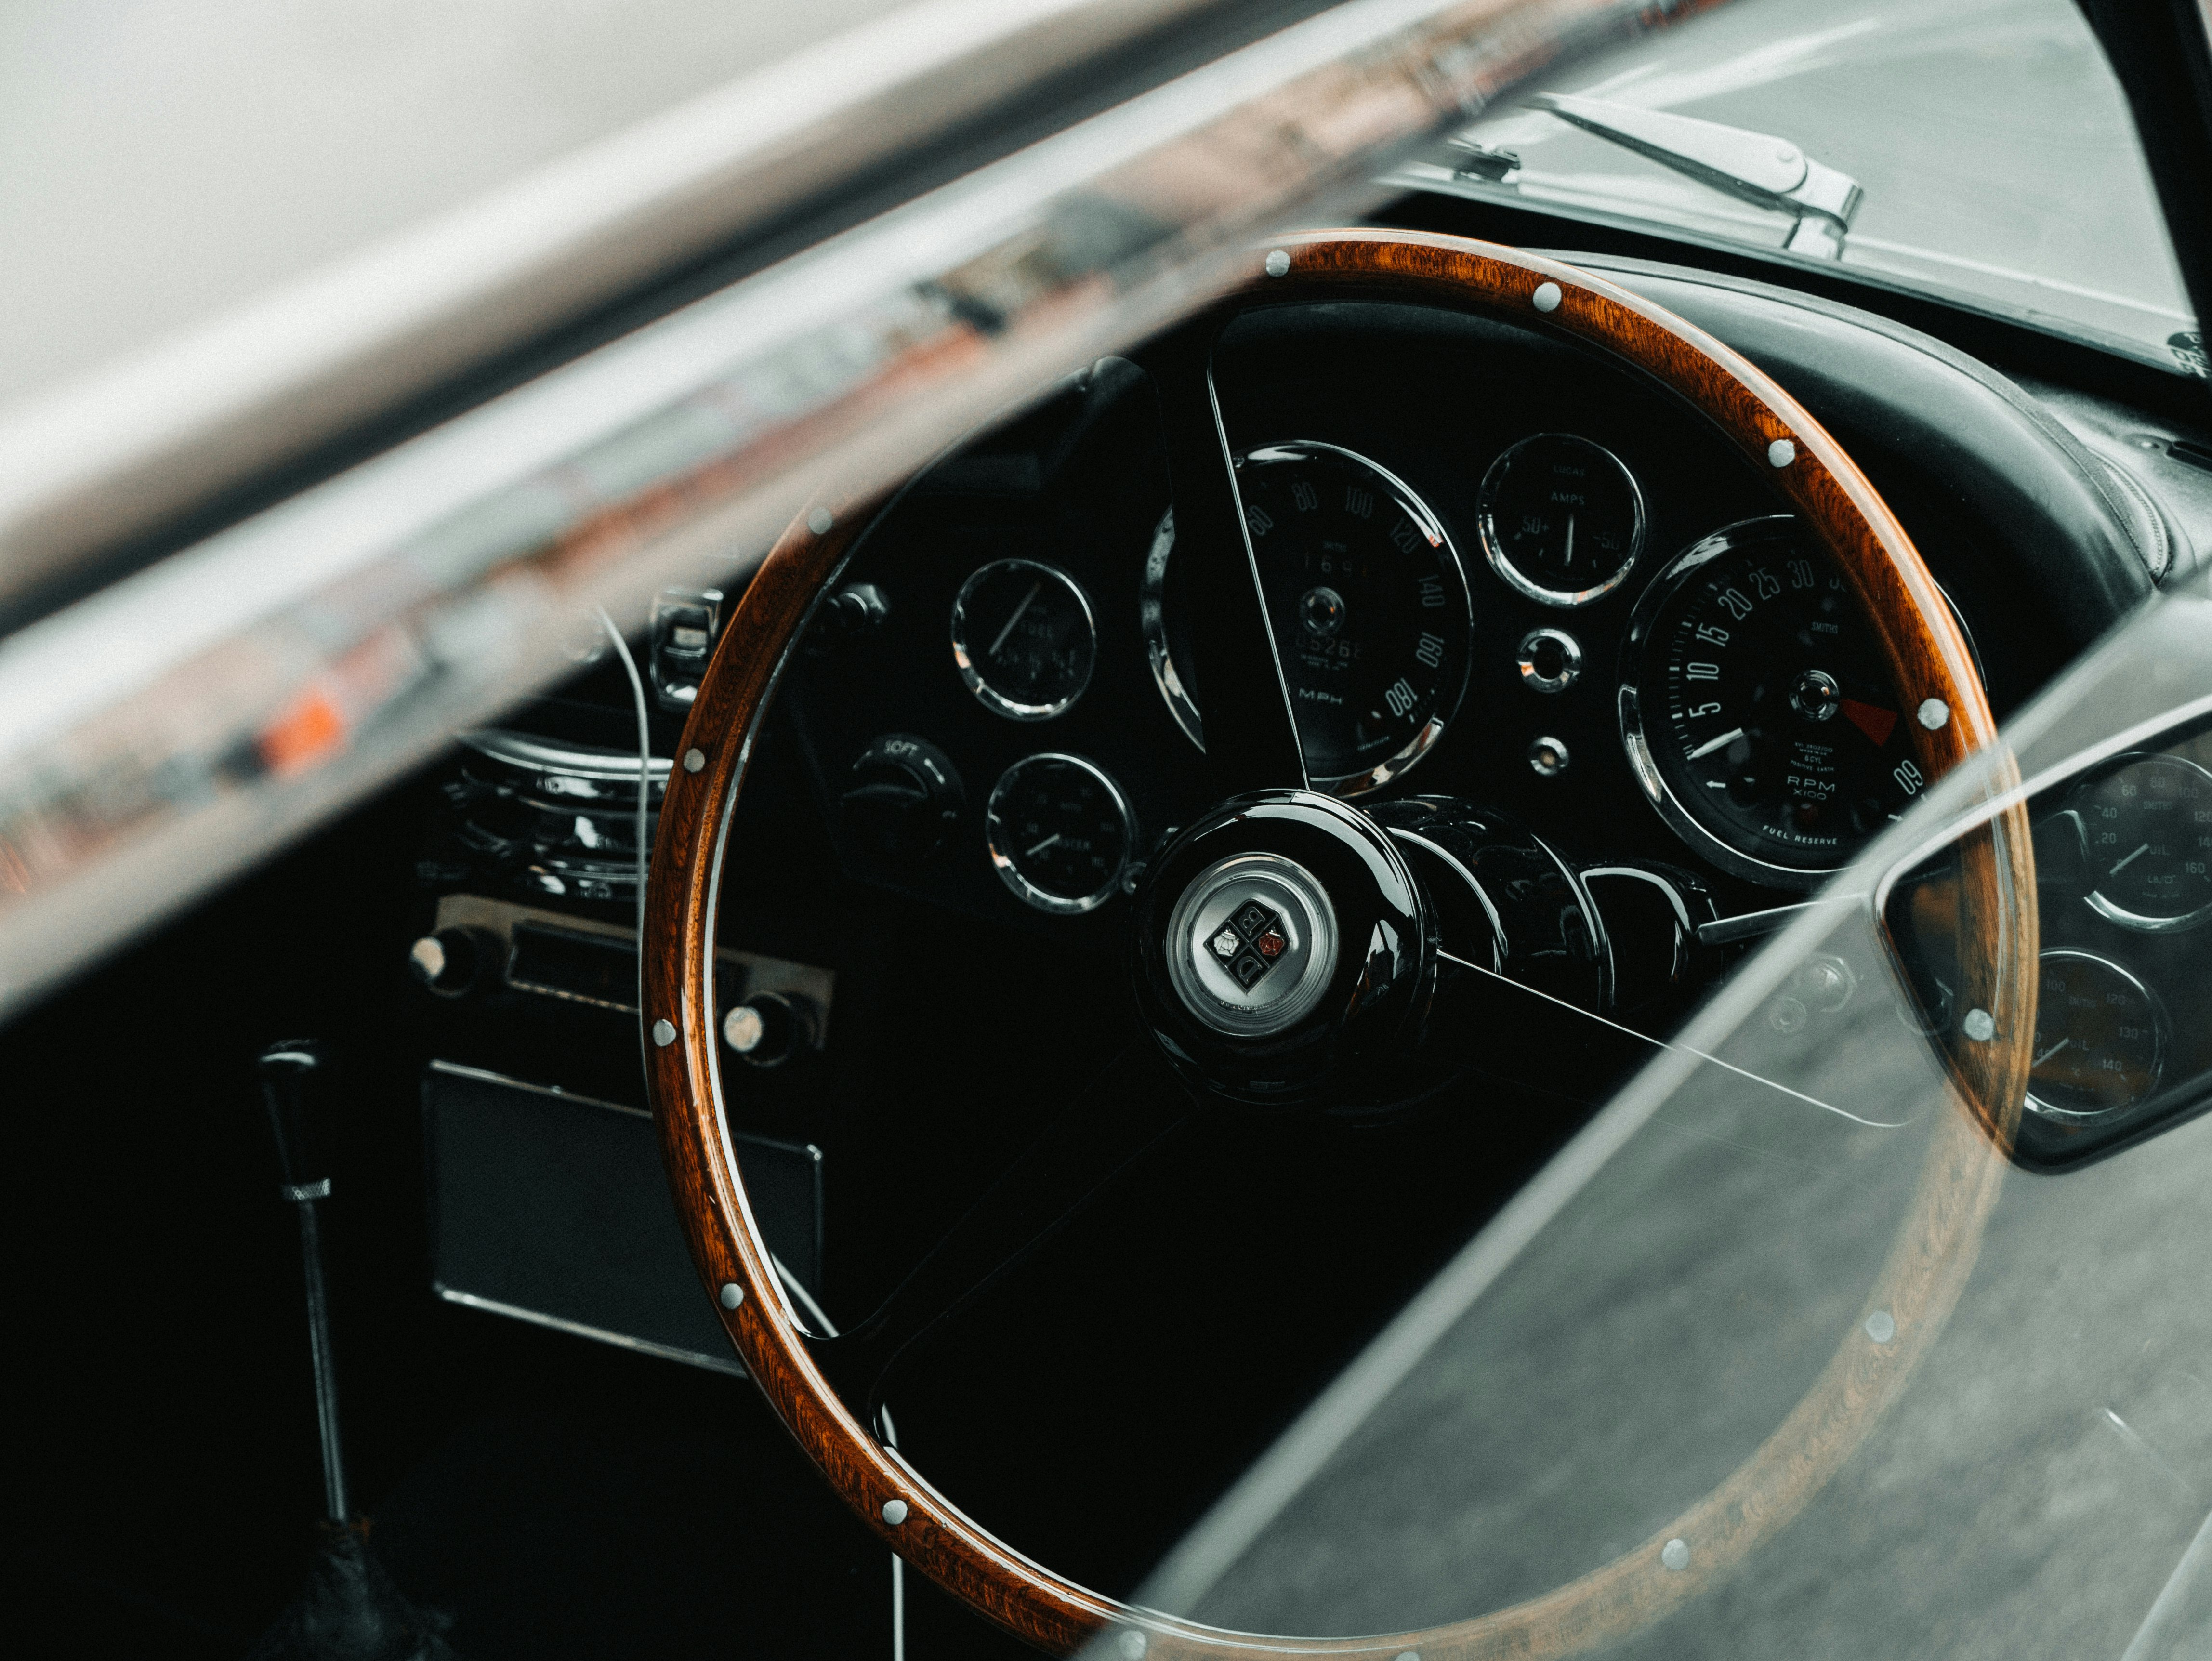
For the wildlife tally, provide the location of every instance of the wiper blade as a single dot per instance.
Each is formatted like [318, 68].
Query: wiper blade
[1757, 168]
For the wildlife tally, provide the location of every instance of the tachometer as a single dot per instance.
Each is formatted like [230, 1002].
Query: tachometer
[1369, 603]
[1757, 709]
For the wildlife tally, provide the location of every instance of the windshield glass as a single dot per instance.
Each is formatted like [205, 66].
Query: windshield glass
[1870, 1320]
[1995, 158]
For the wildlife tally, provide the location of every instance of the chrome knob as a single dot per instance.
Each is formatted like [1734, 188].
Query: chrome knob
[768, 1028]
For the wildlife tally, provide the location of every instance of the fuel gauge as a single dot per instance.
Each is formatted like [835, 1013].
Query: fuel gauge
[1024, 639]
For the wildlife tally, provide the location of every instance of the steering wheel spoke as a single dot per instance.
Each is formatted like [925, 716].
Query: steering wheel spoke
[1131, 1109]
[1251, 734]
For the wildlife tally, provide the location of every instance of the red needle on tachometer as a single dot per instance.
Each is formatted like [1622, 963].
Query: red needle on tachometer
[1871, 719]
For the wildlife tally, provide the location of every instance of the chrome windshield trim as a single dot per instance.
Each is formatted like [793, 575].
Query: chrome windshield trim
[159, 737]
[114, 452]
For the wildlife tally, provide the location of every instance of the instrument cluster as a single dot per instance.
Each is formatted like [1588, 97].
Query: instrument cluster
[1564, 601]
[2123, 871]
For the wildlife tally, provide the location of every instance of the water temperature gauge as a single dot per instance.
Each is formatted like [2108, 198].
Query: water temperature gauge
[1060, 832]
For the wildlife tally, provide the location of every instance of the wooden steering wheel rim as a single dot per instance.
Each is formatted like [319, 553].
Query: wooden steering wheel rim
[1935, 1247]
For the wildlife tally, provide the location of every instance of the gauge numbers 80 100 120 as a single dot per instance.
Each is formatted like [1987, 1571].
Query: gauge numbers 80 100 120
[1757, 709]
[1060, 832]
[1368, 602]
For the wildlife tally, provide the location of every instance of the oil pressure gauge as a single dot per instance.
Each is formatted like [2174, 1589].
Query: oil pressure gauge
[2099, 1039]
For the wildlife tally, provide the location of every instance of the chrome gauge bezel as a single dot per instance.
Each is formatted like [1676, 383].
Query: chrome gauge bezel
[2161, 1035]
[2098, 901]
[1003, 859]
[1634, 741]
[1152, 616]
[1493, 481]
[991, 698]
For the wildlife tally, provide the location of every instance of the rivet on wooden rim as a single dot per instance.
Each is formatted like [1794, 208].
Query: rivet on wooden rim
[1547, 297]
[895, 1511]
[1278, 262]
[664, 1033]
[1675, 1554]
[1934, 715]
[694, 760]
[819, 521]
[732, 1294]
[1781, 453]
[1882, 1326]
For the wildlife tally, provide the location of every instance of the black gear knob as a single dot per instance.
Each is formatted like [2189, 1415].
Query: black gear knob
[295, 1087]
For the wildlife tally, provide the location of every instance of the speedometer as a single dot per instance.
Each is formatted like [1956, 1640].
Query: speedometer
[1757, 709]
[1368, 602]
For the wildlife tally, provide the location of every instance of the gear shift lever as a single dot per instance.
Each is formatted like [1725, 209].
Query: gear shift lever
[350, 1609]
[295, 1090]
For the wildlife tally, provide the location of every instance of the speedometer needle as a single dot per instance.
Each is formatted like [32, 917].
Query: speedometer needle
[1042, 846]
[1711, 744]
[1035, 588]
[2049, 1053]
[2130, 860]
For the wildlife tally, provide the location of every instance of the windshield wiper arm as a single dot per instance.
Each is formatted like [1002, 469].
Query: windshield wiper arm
[1754, 167]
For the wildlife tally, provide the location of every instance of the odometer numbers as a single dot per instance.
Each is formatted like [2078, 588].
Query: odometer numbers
[1757, 710]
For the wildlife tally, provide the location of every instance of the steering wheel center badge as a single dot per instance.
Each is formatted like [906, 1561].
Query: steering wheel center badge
[1251, 943]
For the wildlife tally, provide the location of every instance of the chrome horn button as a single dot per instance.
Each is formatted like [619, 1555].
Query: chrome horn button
[1251, 943]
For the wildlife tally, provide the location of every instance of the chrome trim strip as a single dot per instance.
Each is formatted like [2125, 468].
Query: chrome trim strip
[111, 453]
[1751, 925]
[580, 1330]
[531, 754]
[158, 738]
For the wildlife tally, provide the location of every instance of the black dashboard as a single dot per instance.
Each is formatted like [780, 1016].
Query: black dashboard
[1498, 569]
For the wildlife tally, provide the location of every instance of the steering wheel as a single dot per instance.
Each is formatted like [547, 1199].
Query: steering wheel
[1362, 996]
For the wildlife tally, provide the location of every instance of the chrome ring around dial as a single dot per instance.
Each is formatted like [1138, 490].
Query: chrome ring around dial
[1547, 469]
[1043, 616]
[1756, 710]
[1085, 825]
[2113, 1025]
[1369, 603]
